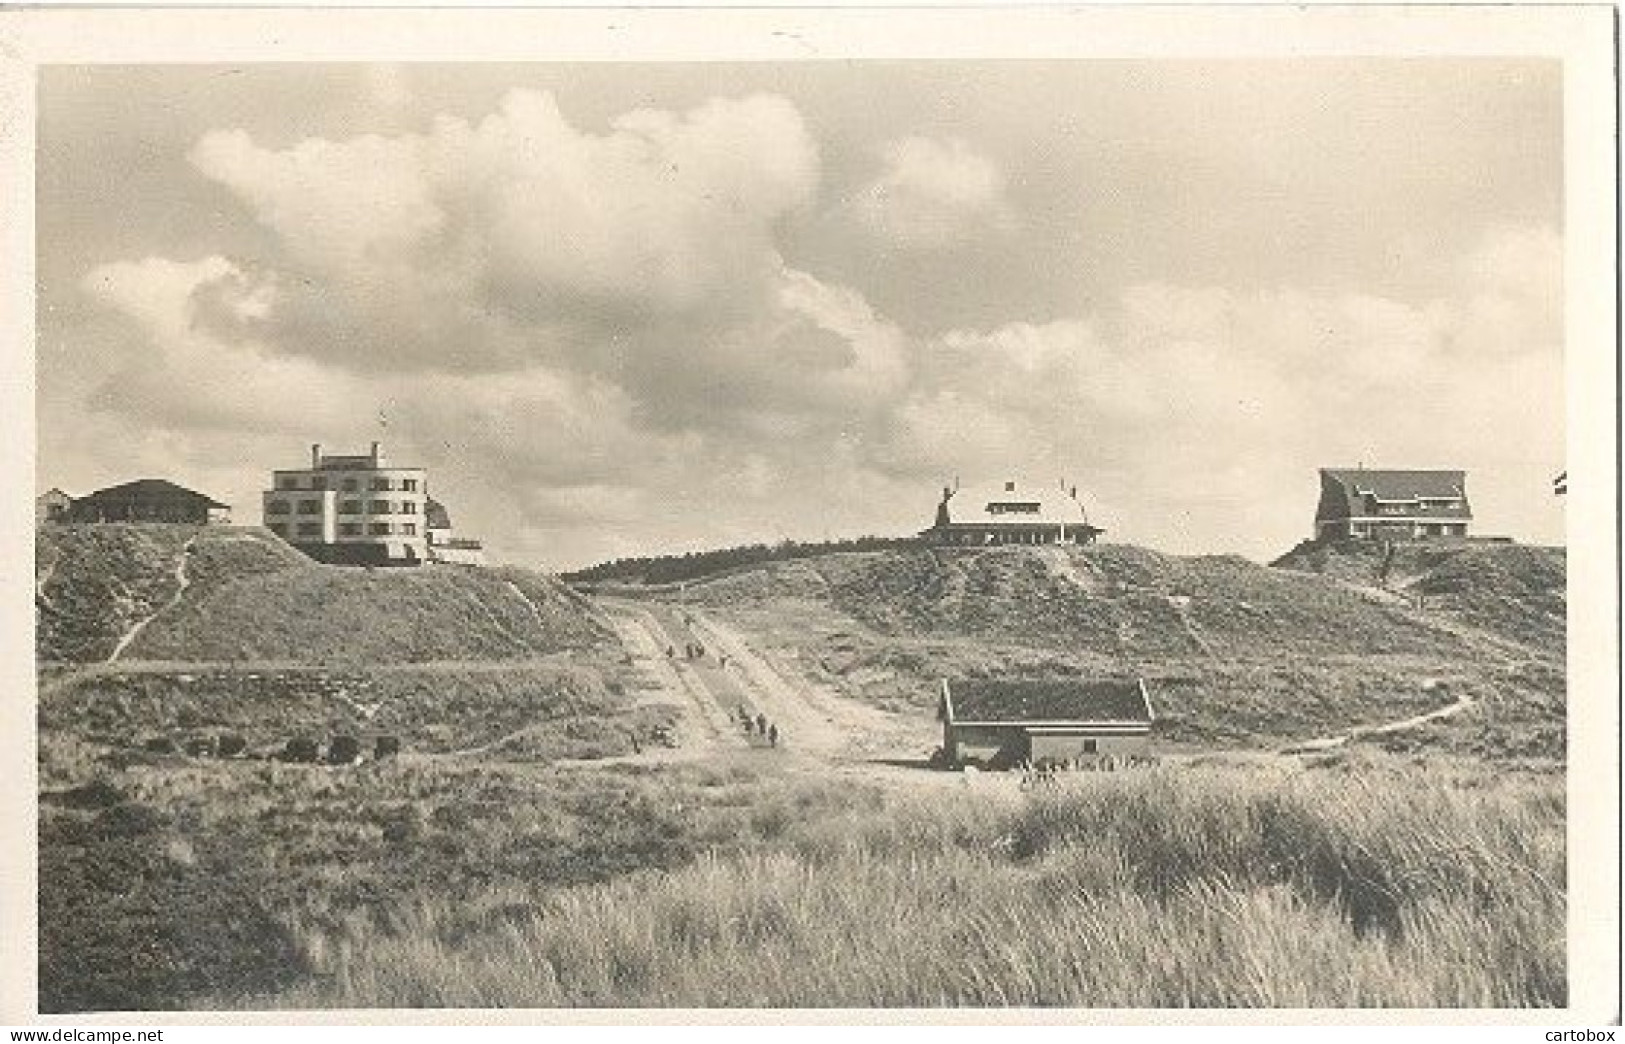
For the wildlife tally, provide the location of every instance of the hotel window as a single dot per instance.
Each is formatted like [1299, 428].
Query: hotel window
[409, 507]
[279, 507]
[350, 507]
[1091, 746]
[409, 485]
[379, 529]
[349, 529]
[378, 507]
[318, 482]
[349, 485]
[279, 528]
[379, 483]
[409, 529]
[287, 482]
[310, 529]
[310, 507]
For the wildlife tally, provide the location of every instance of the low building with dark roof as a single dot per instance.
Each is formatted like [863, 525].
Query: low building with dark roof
[1392, 504]
[147, 500]
[1015, 514]
[998, 723]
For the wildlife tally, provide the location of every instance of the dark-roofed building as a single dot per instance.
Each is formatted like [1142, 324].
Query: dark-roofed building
[147, 500]
[997, 723]
[1014, 514]
[1391, 504]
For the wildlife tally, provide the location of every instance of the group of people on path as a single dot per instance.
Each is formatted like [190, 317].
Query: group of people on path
[759, 725]
[694, 651]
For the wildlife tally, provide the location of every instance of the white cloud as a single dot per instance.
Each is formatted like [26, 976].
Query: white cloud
[644, 255]
[932, 194]
[521, 223]
[1204, 412]
[333, 205]
[182, 376]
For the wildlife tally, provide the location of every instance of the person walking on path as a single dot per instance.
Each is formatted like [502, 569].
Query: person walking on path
[772, 735]
[761, 724]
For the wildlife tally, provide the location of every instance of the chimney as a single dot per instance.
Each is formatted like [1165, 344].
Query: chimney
[377, 457]
[315, 455]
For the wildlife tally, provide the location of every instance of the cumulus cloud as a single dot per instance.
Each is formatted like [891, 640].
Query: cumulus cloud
[181, 376]
[595, 339]
[645, 255]
[1218, 405]
[932, 194]
[520, 237]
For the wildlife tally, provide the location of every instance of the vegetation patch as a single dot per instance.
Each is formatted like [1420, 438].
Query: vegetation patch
[1515, 592]
[337, 614]
[1363, 884]
[184, 893]
[563, 707]
[94, 582]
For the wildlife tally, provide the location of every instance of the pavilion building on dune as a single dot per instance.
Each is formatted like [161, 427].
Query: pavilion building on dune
[1013, 513]
[144, 500]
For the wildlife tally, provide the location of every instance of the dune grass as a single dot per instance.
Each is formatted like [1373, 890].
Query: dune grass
[1194, 887]
[337, 614]
[93, 582]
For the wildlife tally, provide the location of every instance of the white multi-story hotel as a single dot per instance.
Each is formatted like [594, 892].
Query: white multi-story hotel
[357, 510]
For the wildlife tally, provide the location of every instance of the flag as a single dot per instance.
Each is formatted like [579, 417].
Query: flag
[1560, 485]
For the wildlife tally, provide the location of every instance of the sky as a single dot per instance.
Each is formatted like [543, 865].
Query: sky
[626, 309]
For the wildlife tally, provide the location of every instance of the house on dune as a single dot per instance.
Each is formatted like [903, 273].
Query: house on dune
[1391, 504]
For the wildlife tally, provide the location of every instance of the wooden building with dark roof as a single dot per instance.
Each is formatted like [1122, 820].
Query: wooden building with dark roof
[147, 500]
[999, 723]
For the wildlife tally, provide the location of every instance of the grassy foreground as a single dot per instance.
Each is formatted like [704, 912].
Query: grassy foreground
[1371, 883]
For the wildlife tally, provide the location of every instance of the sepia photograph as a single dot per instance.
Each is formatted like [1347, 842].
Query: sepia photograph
[816, 525]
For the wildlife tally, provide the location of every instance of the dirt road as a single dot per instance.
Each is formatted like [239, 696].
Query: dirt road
[721, 678]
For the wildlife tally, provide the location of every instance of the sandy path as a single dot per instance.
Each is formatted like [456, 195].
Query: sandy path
[44, 577]
[819, 731]
[1333, 742]
[535, 613]
[823, 721]
[706, 725]
[182, 581]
